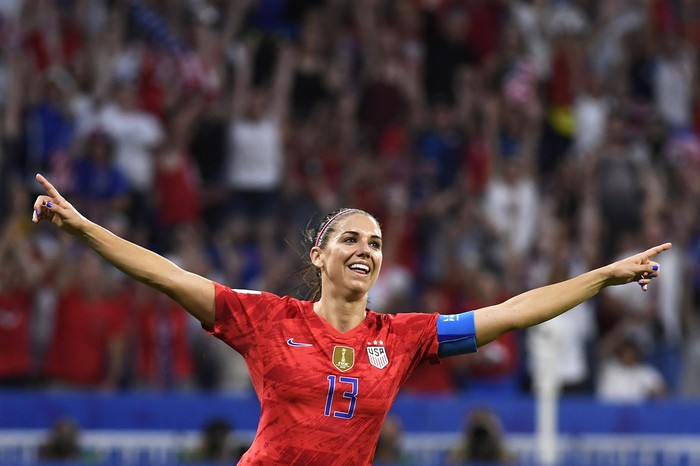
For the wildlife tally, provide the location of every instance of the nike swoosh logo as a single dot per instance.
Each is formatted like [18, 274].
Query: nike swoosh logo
[291, 342]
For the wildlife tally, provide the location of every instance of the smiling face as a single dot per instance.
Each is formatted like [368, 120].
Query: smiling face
[351, 255]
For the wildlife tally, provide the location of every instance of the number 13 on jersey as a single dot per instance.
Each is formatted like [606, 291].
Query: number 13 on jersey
[348, 386]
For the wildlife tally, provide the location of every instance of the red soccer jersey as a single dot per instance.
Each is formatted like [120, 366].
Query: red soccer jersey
[324, 394]
[15, 316]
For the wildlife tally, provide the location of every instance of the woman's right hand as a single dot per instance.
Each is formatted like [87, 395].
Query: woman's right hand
[54, 208]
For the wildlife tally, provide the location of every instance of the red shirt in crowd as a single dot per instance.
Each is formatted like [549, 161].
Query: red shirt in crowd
[83, 329]
[179, 194]
[15, 315]
[163, 354]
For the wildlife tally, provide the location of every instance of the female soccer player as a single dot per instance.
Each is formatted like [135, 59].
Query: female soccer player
[326, 371]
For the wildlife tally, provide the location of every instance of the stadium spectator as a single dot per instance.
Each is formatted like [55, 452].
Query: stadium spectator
[22, 271]
[136, 134]
[495, 368]
[63, 444]
[99, 186]
[433, 379]
[446, 50]
[255, 155]
[218, 445]
[620, 308]
[389, 77]
[87, 347]
[12, 110]
[159, 342]
[390, 449]
[312, 80]
[562, 254]
[50, 128]
[178, 192]
[625, 376]
[482, 442]
[620, 175]
[673, 79]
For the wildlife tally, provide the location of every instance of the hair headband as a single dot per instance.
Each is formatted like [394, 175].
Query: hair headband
[325, 225]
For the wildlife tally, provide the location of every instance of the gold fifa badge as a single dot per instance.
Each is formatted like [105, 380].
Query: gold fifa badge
[343, 358]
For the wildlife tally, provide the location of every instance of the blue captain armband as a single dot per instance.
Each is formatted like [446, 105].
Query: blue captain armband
[456, 334]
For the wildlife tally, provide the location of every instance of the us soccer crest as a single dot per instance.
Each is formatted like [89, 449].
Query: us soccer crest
[343, 358]
[377, 355]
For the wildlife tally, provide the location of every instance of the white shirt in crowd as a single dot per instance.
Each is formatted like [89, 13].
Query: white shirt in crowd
[628, 384]
[136, 134]
[512, 209]
[673, 89]
[256, 158]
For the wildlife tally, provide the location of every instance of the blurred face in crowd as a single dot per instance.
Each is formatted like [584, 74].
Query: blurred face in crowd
[311, 37]
[513, 168]
[617, 129]
[126, 96]
[100, 149]
[90, 275]
[389, 443]
[671, 44]
[442, 116]
[629, 353]
[10, 273]
[455, 23]
[257, 104]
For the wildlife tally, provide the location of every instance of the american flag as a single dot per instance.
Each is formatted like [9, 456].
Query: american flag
[519, 84]
[194, 74]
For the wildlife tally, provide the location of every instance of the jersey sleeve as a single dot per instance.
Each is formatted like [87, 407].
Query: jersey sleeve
[418, 334]
[239, 315]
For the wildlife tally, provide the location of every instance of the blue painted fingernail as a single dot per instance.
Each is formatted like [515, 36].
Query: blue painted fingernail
[654, 267]
[641, 282]
[49, 204]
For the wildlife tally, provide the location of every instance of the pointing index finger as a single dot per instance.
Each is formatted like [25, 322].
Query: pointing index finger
[50, 190]
[657, 249]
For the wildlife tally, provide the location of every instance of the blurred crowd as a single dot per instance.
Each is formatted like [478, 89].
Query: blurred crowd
[502, 144]
[482, 441]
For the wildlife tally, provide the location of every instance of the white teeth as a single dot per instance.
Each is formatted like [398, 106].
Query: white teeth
[360, 267]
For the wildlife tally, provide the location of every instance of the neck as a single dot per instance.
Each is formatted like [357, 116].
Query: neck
[341, 314]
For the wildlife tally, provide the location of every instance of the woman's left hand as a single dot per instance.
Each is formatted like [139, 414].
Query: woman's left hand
[639, 268]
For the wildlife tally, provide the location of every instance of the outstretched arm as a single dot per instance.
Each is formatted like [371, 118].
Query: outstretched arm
[191, 291]
[541, 304]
